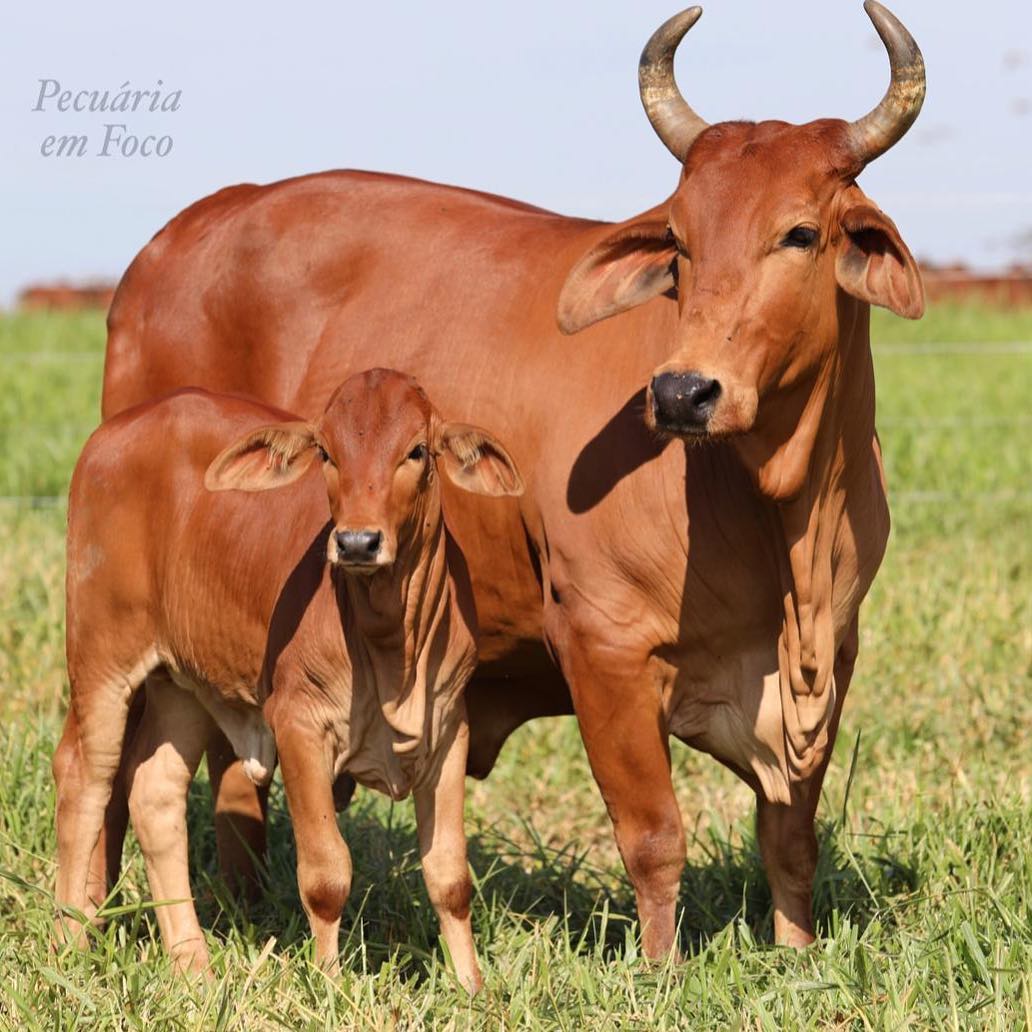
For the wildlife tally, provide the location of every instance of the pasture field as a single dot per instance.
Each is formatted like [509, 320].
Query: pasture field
[924, 892]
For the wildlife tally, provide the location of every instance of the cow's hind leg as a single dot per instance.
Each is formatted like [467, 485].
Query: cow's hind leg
[626, 738]
[240, 813]
[499, 705]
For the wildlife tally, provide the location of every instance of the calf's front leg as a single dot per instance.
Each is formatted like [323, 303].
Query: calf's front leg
[323, 859]
[442, 849]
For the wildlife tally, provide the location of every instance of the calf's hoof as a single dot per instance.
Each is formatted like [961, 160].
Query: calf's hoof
[472, 982]
[68, 932]
[796, 938]
[191, 959]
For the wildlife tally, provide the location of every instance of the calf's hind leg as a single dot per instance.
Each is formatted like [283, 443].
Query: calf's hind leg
[106, 862]
[165, 753]
[65, 767]
[85, 767]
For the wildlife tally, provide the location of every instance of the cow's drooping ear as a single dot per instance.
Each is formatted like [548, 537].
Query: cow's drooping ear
[627, 268]
[476, 462]
[874, 264]
[268, 457]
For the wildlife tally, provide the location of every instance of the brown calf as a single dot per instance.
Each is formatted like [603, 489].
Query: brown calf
[351, 629]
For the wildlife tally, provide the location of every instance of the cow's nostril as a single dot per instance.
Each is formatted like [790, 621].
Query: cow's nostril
[359, 545]
[684, 401]
[705, 392]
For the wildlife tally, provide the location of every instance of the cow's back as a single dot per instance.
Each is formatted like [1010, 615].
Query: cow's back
[278, 292]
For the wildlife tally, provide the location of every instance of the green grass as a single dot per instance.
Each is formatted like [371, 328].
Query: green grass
[924, 893]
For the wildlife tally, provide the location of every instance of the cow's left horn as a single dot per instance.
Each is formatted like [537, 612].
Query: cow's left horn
[675, 122]
[876, 132]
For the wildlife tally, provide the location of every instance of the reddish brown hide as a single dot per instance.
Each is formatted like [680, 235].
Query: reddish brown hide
[660, 587]
[351, 623]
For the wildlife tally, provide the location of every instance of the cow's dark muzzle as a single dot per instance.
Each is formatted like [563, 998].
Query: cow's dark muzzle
[682, 403]
[359, 547]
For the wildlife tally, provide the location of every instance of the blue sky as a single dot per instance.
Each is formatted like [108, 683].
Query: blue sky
[537, 101]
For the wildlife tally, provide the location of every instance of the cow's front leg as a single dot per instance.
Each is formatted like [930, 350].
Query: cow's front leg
[788, 842]
[788, 846]
[442, 849]
[625, 735]
[323, 859]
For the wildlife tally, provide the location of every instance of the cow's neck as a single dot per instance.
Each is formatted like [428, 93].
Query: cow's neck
[391, 620]
[812, 476]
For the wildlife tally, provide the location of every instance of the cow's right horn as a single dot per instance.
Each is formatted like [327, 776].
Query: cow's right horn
[676, 124]
[877, 131]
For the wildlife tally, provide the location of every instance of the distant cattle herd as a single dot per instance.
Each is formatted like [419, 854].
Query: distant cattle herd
[65, 297]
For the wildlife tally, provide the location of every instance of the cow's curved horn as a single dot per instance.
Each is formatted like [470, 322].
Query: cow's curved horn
[671, 116]
[876, 132]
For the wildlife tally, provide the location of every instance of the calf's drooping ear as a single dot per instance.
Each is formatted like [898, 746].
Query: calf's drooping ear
[268, 457]
[626, 269]
[476, 462]
[875, 265]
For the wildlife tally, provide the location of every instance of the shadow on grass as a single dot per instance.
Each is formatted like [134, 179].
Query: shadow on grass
[389, 919]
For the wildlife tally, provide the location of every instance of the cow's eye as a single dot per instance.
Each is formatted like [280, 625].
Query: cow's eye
[672, 241]
[323, 454]
[801, 237]
[675, 272]
[418, 454]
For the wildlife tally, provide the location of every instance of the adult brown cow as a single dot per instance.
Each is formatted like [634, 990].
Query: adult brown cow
[706, 592]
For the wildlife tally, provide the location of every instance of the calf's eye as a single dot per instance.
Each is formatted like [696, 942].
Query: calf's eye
[323, 454]
[801, 237]
[418, 454]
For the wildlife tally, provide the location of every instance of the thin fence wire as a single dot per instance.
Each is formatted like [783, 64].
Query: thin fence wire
[52, 356]
[954, 422]
[1018, 347]
[33, 501]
